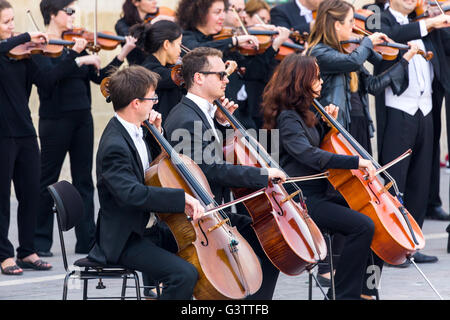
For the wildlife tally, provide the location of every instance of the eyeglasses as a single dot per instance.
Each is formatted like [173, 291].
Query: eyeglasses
[68, 11]
[154, 98]
[221, 74]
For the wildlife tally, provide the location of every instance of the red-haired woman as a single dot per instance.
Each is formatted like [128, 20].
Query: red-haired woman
[286, 103]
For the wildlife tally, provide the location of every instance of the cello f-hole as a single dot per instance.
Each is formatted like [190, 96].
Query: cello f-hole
[204, 235]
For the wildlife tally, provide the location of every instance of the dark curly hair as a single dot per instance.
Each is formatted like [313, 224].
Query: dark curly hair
[193, 13]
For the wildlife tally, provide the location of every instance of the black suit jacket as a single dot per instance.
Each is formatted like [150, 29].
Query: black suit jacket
[125, 200]
[288, 15]
[221, 175]
[402, 34]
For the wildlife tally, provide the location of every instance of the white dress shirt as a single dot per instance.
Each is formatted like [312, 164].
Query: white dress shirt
[305, 12]
[207, 108]
[137, 136]
[418, 94]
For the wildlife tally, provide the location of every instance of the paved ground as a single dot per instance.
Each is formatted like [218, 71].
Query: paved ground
[396, 284]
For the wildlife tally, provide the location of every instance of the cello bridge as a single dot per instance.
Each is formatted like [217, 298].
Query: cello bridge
[221, 223]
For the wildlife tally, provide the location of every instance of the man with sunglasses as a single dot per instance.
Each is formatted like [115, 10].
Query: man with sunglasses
[66, 124]
[201, 126]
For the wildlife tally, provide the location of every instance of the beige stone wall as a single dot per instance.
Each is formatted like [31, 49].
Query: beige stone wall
[108, 13]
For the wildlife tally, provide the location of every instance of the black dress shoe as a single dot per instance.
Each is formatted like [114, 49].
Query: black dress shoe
[437, 213]
[405, 264]
[45, 254]
[324, 282]
[423, 258]
[150, 294]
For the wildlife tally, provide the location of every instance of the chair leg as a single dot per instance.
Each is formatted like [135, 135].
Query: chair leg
[310, 279]
[333, 292]
[124, 287]
[85, 289]
[66, 279]
[138, 287]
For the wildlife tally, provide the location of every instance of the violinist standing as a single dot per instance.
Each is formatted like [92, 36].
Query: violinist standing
[406, 121]
[201, 20]
[19, 159]
[287, 109]
[135, 12]
[129, 233]
[196, 126]
[295, 14]
[66, 125]
[162, 40]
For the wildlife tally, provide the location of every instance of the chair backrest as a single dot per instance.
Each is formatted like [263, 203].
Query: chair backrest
[68, 202]
[68, 208]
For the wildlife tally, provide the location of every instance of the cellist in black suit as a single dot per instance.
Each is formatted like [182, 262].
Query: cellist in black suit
[127, 225]
[195, 127]
[405, 121]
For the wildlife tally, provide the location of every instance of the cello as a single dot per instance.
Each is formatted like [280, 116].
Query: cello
[397, 235]
[288, 235]
[228, 267]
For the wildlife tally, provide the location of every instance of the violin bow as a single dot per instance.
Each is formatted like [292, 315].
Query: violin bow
[33, 22]
[439, 6]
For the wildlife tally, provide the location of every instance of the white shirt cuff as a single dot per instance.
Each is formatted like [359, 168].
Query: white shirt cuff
[423, 29]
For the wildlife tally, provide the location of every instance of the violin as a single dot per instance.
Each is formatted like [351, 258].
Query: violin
[227, 266]
[53, 48]
[388, 50]
[105, 40]
[288, 235]
[422, 10]
[164, 11]
[397, 235]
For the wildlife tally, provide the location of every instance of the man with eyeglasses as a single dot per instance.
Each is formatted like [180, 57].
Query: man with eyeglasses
[128, 231]
[200, 126]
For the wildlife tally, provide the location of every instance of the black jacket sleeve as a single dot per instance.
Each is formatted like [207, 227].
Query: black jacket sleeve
[296, 143]
[395, 77]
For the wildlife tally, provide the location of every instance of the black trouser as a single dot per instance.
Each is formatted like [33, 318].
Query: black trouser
[73, 133]
[333, 214]
[412, 174]
[438, 95]
[154, 255]
[19, 162]
[160, 264]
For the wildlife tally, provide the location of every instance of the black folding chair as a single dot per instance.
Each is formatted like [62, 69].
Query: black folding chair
[69, 209]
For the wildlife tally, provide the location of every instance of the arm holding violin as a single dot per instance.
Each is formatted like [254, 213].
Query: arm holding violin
[8, 44]
[46, 73]
[279, 17]
[333, 61]
[194, 39]
[165, 80]
[397, 32]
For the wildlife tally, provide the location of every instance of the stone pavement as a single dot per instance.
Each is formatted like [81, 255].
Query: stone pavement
[396, 284]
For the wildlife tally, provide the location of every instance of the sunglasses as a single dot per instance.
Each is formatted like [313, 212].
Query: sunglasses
[221, 74]
[68, 11]
[154, 98]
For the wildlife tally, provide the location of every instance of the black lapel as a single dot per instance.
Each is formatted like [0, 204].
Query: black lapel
[191, 104]
[130, 142]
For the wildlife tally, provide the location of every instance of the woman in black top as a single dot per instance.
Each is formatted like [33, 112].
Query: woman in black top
[135, 12]
[286, 102]
[19, 158]
[161, 41]
[66, 124]
[201, 20]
